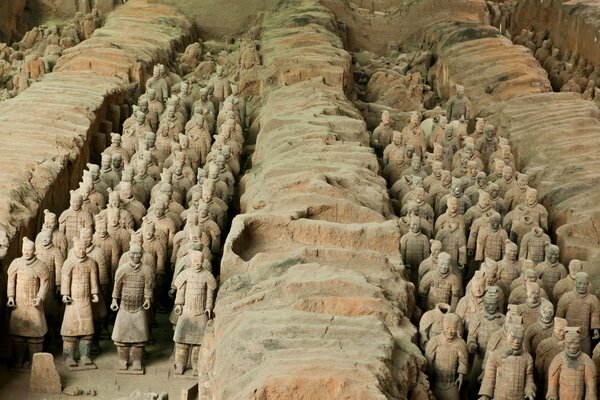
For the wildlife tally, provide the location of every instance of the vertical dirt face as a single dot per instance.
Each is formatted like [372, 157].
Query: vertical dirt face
[47, 130]
[312, 303]
[12, 23]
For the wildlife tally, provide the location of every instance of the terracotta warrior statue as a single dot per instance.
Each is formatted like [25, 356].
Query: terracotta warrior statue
[134, 284]
[79, 289]
[567, 283]
[508, 371]
[550, 271]
[458, 106]
[582, 309]
[414, 248]
[546, 350]
[440, 286]
[73, 219]
[194, 301]
[448, 360]
[28, 283]
[431, 324]
[541, 330]
[572, 373]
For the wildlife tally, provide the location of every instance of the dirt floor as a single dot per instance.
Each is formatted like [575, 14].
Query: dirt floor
[105, 381]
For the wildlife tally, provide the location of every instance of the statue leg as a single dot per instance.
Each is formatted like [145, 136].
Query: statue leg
[137, 353]
[195, 353]
[181, 356]
[69, 350]
[19, 345]
[85, 345]
[35, 346]
[123, 356]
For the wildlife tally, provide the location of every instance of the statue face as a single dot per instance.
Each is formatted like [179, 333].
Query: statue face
[117, 162]
[490, 305]
[415, 226]
[435, 251]
[533, 296]
[547, 313]
[410, 152]
[514, 342]
[443, 265]
[511, 254]
[522, 182]
[80, 251]
[46, 238]
[478, 287]
[140, 118]
[495, 223]
[135, 256]
[28, 251]
[553, 256]
[559, 331]
[531, 199]
[197, 263]
[159, 210]
[86, 238]
[581, 285]
[116, 141]
[101, 227]
[452, 205]
[76, 203]
[572, 345]
[507, 174]
[450, 329]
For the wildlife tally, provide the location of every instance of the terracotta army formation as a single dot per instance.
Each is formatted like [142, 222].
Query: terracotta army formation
[141, 241]
[488, 260]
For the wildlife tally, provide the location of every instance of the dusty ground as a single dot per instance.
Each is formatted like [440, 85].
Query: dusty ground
[105, 380]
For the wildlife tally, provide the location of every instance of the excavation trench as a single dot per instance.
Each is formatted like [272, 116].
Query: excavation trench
[51, 130]
[312, 300]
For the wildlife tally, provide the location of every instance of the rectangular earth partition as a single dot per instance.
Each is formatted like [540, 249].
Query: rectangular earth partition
[312, 301]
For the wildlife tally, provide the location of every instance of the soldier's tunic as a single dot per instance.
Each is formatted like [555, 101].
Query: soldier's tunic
[80, 281]
[508, 375]
[572, 378]
[72, 221]
[582, 311]
[435, 288]
[133, 285]
[195, 291]
[27, 279]
[447, 359]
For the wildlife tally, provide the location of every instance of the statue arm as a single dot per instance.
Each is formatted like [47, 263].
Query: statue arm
[12, 280]
[489, 378]
[553, 377]
[530, 388]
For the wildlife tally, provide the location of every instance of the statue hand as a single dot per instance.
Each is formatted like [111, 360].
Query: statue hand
[146, 304]
[11, 302]
[95, 298]
[113, 305]
[58, 290]
[596, 334]
[472, 347]
[209, 314]
[178, 309]
[36, 302]
[484, 398]
[459, 381]
[470, 252]
[67, 299]
[530, 396]
[172, 293]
